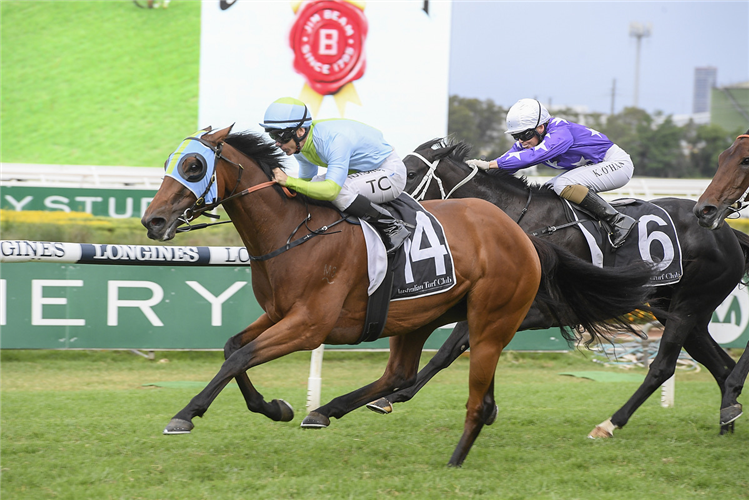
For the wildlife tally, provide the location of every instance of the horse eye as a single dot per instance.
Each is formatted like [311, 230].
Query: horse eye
[193, 168]
[745, 161]
[411, 175]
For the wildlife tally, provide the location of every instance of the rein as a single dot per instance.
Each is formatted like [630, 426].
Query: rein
[197, 210]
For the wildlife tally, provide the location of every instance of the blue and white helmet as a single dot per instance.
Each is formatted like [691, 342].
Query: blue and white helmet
[526, 114]
[286, 113]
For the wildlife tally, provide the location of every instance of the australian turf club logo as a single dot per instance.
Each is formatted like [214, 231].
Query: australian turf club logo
[328, 38]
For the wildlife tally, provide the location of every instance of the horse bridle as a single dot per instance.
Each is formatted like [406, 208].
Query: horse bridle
[426, 181]
[199, 207]
[421, 190]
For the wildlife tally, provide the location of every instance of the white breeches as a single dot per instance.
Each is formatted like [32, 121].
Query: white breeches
[613, 172]
[385, 183]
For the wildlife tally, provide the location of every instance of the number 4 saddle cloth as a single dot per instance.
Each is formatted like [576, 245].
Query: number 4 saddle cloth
[653, 239]
[423, 265]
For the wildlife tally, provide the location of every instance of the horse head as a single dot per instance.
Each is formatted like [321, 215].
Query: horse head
[729, 184]
[191, 184]
[423, 182]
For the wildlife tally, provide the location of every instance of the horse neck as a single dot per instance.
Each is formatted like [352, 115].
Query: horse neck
[263, 218]
[485, 186]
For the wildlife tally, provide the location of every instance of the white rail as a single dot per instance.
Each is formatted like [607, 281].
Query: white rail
[80, 176]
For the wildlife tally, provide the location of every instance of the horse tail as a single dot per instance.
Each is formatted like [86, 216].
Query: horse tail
[586, 297]
[744, 242]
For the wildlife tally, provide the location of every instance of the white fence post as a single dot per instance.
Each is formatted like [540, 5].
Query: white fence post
[314, 382]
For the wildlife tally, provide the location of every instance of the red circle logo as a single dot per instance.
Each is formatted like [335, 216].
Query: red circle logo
[328, 43]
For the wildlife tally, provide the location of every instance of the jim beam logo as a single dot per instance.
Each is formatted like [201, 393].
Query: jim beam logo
[328, 39]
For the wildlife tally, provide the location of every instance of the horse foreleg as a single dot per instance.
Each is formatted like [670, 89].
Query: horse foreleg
[661, 369]
[280, 339]
[705, 350]
[455, 345]
[730, 408]
[278, 409]
[403, 363]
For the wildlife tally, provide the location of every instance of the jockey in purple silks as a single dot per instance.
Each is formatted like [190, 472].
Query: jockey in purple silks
[591, 163]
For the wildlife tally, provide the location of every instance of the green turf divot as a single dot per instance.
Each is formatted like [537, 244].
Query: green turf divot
[607, 376]
[181, 384]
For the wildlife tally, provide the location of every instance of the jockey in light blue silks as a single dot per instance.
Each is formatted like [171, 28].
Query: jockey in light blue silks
[362, 169]
[591, 162]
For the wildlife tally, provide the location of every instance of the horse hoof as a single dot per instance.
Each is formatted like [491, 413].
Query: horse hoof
[381, 406]
[287, 412]
[728, 415]
[178, 426]
[315, 421]
[493, 416]
[600, 432]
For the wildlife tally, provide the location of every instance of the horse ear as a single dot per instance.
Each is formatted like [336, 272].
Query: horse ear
[220, 135]
[207, 129]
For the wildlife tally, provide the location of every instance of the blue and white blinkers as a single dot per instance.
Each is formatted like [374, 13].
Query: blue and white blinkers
[193, 164]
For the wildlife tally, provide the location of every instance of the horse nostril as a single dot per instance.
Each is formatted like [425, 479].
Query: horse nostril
[709, 209]
[154, 222]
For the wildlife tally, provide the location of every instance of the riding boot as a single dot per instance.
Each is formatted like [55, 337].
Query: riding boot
[392, 230]
[620, 225]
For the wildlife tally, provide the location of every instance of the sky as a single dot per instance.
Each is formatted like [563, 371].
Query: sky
[575, 53]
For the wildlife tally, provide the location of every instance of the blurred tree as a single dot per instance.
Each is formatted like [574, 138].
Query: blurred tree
[479, 123]
[703, 144]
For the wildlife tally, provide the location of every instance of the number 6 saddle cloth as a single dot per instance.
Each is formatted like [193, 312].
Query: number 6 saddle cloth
[653, 239]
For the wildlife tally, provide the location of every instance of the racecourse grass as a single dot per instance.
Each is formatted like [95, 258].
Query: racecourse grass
[81, 424]
[97, 82]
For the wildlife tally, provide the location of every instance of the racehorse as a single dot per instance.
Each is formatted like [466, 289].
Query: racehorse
[714, 263]
[318, 294]
[719, 200]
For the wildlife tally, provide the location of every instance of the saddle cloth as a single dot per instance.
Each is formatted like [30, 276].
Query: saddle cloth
[653, 240]
[423, 265]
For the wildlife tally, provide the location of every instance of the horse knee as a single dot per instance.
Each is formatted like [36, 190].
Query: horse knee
[662, 372]
[231, 346]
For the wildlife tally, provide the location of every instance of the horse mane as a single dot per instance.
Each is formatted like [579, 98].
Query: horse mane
[495, 179]
[268, 157]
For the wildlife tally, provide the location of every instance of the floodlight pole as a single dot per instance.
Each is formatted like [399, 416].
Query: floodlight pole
[639, 31]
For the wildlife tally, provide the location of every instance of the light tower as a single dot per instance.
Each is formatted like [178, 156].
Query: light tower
[639, 31]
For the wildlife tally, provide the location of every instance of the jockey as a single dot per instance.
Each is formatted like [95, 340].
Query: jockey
[362, 169]
[591, 162]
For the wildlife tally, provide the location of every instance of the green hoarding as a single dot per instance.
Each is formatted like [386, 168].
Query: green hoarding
[115, 203]
[80, 306]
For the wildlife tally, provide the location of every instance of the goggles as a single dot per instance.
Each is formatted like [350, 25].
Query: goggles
[282, 136]
[525, 135]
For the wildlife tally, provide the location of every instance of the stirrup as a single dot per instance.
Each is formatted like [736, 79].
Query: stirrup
[618, 241]
[396, 237]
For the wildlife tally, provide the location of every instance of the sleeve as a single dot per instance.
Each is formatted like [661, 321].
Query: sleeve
[307, 169]
[326, 190]
[338, 152]
[554, 144]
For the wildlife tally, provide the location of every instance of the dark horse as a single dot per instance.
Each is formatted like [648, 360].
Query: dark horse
[318, 294]
[719, 200]
[714, 263]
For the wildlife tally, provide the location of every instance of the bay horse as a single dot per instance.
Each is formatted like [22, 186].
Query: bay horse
[714, 263]
[318, 294]
[723, 197]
